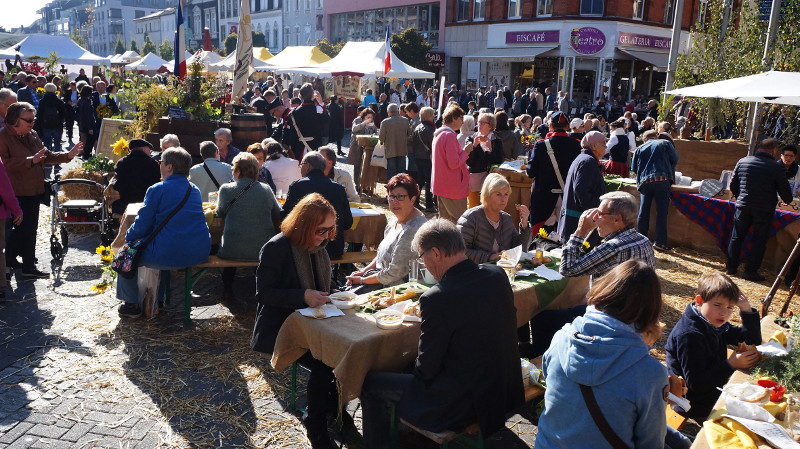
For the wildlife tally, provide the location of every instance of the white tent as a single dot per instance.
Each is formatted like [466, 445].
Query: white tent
[148, 63]
[366, 58]
[10, 54]
[767, 87]
[116, 59]
[130, 56]
[228, 64]
[70, 53]
[206, 58]
[171, 64]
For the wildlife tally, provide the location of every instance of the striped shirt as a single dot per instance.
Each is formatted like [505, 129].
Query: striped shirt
[616, 248]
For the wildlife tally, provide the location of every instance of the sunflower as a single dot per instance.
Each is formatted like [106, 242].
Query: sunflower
[121, 147]
[101, 287]
[106, 253]
[102, 112]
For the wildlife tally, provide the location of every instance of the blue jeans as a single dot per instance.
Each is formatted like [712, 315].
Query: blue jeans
[395, 165]
[51, 138]
[743, 219]
[128, 289]
[659, 191]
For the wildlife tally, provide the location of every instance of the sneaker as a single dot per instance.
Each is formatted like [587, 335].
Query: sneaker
[129, 310]
[753, 276]
[35, 274]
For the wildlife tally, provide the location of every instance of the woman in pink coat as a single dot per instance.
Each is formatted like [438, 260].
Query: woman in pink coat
[449, 175]
[8, 209]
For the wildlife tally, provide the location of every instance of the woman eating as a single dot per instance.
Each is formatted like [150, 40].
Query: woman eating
[390, 266]
[488, 151]
[488, 229]
[294, 272]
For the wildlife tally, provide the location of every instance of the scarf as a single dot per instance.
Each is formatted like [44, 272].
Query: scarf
[314, 274]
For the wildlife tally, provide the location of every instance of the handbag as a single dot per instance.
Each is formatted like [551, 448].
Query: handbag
[378, 158]
[126, 262]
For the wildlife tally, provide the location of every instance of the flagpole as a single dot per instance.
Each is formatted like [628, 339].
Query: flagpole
[180, 43]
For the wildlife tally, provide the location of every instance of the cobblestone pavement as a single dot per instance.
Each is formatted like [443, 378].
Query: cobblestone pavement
[75, 375]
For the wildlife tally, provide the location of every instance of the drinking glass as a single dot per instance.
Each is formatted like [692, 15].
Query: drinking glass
[413, 271]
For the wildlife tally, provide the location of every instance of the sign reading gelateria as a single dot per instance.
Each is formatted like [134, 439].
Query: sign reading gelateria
[587, 40]
[642, 40]
[532, 37]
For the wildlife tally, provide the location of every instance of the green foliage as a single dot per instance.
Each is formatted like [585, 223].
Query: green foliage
[51, 63]
[134, 45]
[166, 51]
[77, 38]
[200, 91]
[259, 40]
[99, 163]
[330, 49]
[784, 369]
[410, 47]
[149, 46]
[119, 46]
[230, 43]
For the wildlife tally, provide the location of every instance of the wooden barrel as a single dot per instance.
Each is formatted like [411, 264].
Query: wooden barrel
[247, 129]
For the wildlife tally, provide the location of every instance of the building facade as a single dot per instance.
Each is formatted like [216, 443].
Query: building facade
[266, 16]
[159, 25]
[60, 17]
[366, 20]
[115, 18]
[303, 21]
[199, 15]
[586, 47]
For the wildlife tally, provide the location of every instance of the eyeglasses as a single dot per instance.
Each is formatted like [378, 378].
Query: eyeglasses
[323, 231]
[400, 197]
[419, 257]
[28, 120]
[605, 213]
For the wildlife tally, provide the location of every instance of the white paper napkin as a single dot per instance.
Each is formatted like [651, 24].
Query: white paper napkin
[772, 348]
[547, 273]
[330, 311]
[524, 272]
[514, 254]
[400, 306]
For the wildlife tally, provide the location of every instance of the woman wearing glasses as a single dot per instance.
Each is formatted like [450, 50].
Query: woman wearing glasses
[488, 151]
[390, 266]
[24, 156]
[294, 272]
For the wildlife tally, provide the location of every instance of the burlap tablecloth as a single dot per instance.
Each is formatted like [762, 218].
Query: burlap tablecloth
[528, 301]
[353, 345]
[367, 230]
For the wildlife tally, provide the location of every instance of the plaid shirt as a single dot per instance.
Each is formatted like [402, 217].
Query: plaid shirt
[616, 248]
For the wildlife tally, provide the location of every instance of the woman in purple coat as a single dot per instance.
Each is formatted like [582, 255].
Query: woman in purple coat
[8, 209]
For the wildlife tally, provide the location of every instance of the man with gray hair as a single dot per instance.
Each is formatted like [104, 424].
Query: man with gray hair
[223, 139]
[338, 175]
[468, 363]
[314, 181]
[212, 173]
[394, 134]
[615, 221]
[7, 98]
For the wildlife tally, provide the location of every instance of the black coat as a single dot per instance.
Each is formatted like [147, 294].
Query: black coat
[87, 118]
[757, 179]
[479, 160]
[133, 175]
[110, 102]
[468, 361]
[540, 167]
[278, 291]
[336, 128]
[317, 182]
[51, 113]
[311, 125]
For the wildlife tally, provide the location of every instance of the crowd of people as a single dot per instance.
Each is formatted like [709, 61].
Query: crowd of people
[286, 206]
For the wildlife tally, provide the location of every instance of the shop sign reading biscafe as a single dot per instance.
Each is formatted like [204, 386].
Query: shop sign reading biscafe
[587, 40]
[642, 40]
[532, 37]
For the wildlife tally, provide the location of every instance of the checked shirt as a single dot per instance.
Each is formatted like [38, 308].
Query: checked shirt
[616, 248]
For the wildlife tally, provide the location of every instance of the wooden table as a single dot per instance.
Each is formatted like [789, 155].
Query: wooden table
[368, 230]
[353, 345]
[768, 327]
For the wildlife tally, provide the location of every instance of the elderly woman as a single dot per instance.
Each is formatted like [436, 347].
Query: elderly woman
[9, 210]
[488, 151]
[50, 118]
[467, 129]
[583, 185]
[390, 266]
[294, 273]
[488, 229]
[283, 169]
[617, 148]
[24, 157]
[624, 306]
[512, 146]
[168, 141]
[182, 241]
[264, 176]
[422, 140]
[363, 124]
[245, 204]
[223, 139]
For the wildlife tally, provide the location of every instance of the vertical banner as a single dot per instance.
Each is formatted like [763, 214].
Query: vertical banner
[180, 43]
[244, 53]
[441, 97]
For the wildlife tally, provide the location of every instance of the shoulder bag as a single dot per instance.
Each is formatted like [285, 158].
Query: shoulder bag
[378, 158]
[126, 262]
[600, 421]
[238, 195]
[560, 192]
[211, 175]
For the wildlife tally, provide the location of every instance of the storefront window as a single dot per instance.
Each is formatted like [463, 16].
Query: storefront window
[434, 17]
[480, 10]
[592, 7]
[545, 8]
[638, 9]
[412, 17]
[514, 7]
[379, 25]
[463, 10]
[400, 16]
[669, 11]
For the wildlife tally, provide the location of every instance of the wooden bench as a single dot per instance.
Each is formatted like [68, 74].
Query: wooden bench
[352, 257]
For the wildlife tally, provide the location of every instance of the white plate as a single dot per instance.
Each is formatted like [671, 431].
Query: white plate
[388, 325]
[343, 300]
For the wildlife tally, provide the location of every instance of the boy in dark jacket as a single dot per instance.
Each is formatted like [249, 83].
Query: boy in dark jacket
[697, 346]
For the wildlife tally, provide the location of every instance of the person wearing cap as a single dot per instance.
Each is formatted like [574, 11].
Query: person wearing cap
[618, 147]
[134, 174]
[654, 164]
[576, 127]
[583, 185]
[549, 169]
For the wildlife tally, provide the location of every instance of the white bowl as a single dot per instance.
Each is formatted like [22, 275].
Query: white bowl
[343, 300]
[388, 319]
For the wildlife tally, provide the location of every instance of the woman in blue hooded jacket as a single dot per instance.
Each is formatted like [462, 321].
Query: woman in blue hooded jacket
[184, 241]
[605, 351]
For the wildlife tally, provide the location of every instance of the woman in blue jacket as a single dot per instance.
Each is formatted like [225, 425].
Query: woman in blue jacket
[184, 241]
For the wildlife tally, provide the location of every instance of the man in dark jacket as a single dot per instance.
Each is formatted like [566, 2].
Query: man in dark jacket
[310, 118]
[314, 181]
[756, 183]
[28, 93]
[336, 128]
[547, 186]
[134, 174]
[468, 363]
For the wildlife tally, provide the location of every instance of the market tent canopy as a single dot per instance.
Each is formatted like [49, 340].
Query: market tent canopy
[130, 56]
[206, 58]
[40, 45]
[261, 53]
[10, 54]
[367, 58]
[522, 54]
[171, 64]
[767, 87]
[298, 56]
[149, 62]
[652, 58]
[228, 64]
